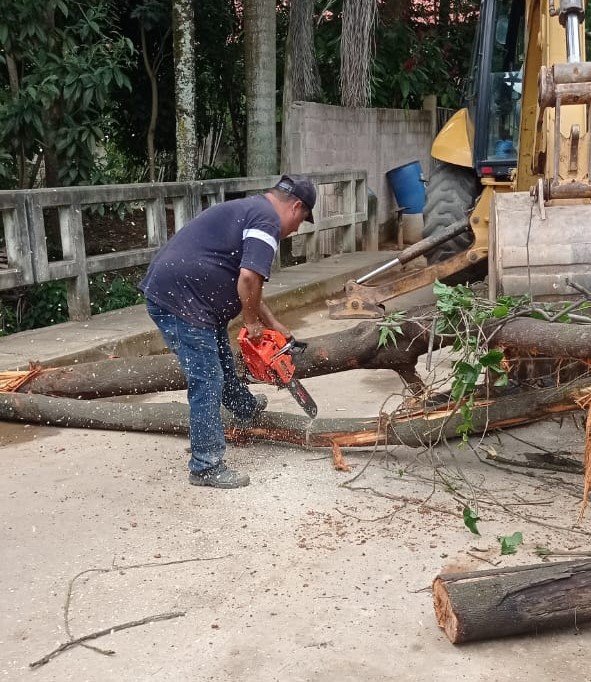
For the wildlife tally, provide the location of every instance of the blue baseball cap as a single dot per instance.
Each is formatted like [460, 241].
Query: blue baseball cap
[302, 188]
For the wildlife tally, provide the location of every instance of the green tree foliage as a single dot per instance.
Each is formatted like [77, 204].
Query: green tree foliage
[66, 68]
[219, 73]
[60, 62]
[132, 111]
[421, 48]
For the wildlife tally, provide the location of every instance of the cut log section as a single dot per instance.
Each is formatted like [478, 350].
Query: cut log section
[500, 602]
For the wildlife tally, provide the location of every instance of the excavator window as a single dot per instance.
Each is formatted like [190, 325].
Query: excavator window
[505, 81]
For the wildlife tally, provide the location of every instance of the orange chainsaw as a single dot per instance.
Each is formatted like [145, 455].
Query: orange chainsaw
[270, 361]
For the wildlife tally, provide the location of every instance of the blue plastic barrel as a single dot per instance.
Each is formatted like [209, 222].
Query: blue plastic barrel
[408, 187]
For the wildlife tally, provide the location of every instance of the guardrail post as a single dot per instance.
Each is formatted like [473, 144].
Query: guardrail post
[36, 228]
[349, 205]
[183, 210]
[18, 245]
[370, 237]
[74, 250]
[313, 243]
[156, 222]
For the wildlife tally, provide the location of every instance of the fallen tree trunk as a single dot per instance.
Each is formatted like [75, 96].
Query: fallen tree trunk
[354, 348]
[480, 605]
[416, 428]
[109, 378]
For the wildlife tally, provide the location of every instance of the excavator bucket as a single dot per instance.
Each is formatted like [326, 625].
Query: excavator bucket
[538, 248]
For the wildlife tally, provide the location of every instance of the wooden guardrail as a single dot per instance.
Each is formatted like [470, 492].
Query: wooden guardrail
[23, 218]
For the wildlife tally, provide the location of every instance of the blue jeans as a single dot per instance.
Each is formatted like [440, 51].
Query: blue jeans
[207, 362]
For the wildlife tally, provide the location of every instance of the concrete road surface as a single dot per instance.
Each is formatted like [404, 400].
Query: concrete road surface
[296, 578]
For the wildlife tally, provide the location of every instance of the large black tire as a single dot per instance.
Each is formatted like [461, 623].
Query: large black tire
[451, 193]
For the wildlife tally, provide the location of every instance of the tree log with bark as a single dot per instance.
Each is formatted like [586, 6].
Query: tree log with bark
[480, 605]
[414, 427]
[353, 348]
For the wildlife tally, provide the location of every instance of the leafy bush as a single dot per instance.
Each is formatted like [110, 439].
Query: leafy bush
[110, 291]
[46, 304]
[41, 305]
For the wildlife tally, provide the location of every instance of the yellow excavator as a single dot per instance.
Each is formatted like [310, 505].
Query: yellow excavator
[511, 186]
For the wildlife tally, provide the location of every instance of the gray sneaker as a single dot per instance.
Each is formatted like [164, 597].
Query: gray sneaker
[260, 405]
[220, 477]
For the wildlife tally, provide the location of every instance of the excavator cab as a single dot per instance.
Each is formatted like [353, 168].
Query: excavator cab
[494, 88]
[477, 151]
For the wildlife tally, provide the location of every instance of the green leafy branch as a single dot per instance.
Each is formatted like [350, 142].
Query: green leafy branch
[462, 314]
[389, 327]
[472, 322]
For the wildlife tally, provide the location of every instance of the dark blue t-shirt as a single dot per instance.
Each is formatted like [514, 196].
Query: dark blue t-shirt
[195, 274]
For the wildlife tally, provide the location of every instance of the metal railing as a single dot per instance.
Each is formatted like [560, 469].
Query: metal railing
[25, 236]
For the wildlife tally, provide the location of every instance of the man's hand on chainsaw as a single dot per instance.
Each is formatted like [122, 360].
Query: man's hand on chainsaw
[255, 330]
[271, 322]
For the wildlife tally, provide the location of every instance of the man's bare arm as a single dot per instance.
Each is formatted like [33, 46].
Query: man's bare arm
[250, 292]
[256, 315]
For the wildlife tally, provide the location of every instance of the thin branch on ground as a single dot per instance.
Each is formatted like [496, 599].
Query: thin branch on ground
[481, 558]
[388, 516]
[375, 448]
[405, 499]
[101, 633]
[578, 287]
[553, 553]
[114, 567]
[522, 440]
[532, 519]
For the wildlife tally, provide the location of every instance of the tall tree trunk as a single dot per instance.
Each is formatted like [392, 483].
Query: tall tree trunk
[183, 23]
[359, 19]
[260, 74]
[154, 105]
[301, 80]
[288, 98]
[14, 82]
[51, 122]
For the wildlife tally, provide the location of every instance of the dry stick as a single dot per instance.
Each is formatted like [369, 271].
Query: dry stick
[388, 516]
[551, 553]
[463, 476]
[481, 558]
[523, 503]
[541, 480]
[101, 633]
[375, 448]
[105, 652]
[114, 567]
[346, 484]
[525, 442]
[405, 499]
[578, 287]
[532, 519]
[431, 342]
[567, 467]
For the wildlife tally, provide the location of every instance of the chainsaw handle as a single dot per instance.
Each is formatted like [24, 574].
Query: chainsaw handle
[297, 346]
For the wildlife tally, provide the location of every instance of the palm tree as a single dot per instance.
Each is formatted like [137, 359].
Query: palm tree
[301, 81]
